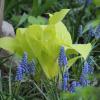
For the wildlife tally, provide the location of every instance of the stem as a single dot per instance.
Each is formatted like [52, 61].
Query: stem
[0, 82]
[10, 91]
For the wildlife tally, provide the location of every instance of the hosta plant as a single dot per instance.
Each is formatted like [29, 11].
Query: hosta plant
[43, 42]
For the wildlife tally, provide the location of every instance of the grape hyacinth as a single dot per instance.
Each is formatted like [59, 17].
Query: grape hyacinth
[22, 68]
[85, 69]
[62, 60]
[65, 81]
[74, 84]
[31, 68]
[91, 31]
[84, 75]
[19, 73]
[91, 69]
[97, 33]
[25, 68]
[24, 63]
[84, 79]
[88, 2]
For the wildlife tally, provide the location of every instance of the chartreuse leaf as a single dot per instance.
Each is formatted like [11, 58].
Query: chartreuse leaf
[58, 16]
[83, 49]
[33, 36]
[62, 34]
[50, 66]
[43, 42]
[44, 47]
[51, 51]
[22, 43]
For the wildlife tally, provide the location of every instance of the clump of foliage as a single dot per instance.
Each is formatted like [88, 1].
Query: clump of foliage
[59, 63]
[43, 43]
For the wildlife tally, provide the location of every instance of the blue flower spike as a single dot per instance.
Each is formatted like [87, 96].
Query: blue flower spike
[22, 68]
[24, 62]
[25, 68]
[88, 2]
[72, 88]
[62, 60]
[74, 84]
[84, 79]
[91, 69]
[91, 31]
[97, 33]
[85, 69]
[65, 81]
[19, 73]
[31, 68]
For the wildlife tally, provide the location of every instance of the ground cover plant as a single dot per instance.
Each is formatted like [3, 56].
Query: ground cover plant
[55, 52]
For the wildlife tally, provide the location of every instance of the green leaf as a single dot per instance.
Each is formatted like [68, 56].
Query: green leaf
[73, 60]
[58, 16]
[32, 20]
[23, 19]
[97, 2]
[39, 20]
[42, 20]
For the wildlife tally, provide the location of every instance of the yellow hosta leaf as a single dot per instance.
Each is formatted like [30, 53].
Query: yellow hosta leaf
[50, 66]
[83, 49]
[62, 34]
[58, 16]
[43, 43]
